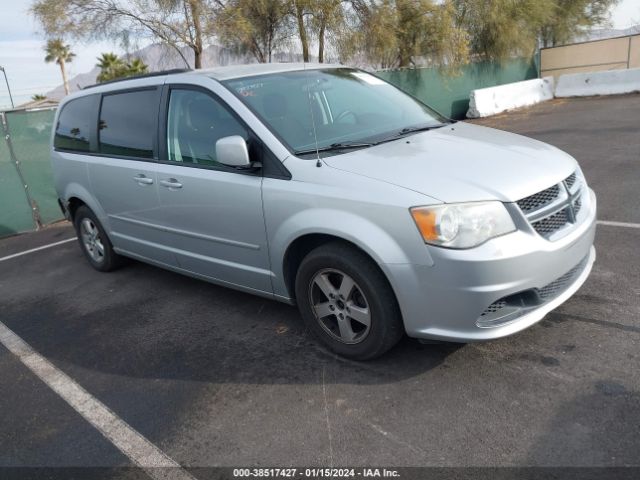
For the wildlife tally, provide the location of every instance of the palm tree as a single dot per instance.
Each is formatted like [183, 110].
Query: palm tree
[38, 96]
[60, 53]
[137, 67]
[111, 67]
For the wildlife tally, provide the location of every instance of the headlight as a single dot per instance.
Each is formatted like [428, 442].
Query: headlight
[462, 225]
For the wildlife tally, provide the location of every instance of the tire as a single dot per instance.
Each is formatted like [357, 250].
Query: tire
[370, 294]
[94, 242]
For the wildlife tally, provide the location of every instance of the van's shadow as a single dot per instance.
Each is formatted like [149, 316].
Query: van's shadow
[144, 322]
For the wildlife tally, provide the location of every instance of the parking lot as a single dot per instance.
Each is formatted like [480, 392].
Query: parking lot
[214, 377]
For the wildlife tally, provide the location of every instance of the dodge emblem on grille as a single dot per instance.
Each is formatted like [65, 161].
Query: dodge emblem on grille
[570, 202]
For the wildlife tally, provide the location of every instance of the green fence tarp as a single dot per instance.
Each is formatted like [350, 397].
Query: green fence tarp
[30, 133]
[27, 134]
[447, 90]
[15, 212]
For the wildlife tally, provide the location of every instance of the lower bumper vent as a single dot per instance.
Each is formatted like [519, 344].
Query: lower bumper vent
[510, 308]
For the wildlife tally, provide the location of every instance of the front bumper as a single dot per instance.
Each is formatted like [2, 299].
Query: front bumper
[445, 301]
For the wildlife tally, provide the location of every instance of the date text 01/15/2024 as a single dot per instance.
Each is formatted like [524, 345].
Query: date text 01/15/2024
[267, 473]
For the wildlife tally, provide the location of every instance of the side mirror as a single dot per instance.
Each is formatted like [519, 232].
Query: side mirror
[232, 151]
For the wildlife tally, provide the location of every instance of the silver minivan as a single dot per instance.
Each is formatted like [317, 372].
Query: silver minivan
[326, 187]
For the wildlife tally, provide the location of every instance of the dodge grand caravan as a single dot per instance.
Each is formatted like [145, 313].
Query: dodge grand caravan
[326, 187]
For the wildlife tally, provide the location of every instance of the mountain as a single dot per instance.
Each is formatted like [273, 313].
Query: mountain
[162, 57]
[77, 82]
[604, 33]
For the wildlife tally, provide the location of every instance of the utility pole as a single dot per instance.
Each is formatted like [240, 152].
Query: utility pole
[8, 88]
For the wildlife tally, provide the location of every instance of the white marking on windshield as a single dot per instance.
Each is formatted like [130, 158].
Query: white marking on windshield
[370, 79]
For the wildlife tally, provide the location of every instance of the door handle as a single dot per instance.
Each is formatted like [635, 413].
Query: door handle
[171, 183]
[143, 180]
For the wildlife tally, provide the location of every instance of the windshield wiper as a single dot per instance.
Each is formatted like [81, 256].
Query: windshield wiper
[334, 147]
[424, 128]
[347, 145]
[409, 130]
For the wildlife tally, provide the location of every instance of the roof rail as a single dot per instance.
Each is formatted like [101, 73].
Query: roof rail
[145, 75]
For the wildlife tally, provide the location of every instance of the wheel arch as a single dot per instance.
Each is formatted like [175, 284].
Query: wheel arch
[72, 206]
[300, 248]
[76, 195]
[381, 249]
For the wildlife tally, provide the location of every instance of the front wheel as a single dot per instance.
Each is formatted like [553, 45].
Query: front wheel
[347, 302]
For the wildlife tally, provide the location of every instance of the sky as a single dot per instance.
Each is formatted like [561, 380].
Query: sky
[22, 55]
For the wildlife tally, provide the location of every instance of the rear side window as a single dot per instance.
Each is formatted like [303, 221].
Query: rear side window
[74, 124]
[128, 123]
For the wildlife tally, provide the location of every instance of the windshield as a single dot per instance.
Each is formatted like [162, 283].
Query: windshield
[346, 106]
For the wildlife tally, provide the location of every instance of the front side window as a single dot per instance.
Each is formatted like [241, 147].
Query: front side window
[128, 123]
[195, 123]
[74, 124]
[338, 105]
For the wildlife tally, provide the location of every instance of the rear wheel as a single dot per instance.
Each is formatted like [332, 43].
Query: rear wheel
[347, 302]
[94, 241]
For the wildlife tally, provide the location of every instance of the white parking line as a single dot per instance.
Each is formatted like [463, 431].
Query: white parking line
[9, 257]
[618, 224]
[137, 448]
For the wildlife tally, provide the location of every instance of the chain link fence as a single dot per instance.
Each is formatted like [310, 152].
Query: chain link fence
[27, 197]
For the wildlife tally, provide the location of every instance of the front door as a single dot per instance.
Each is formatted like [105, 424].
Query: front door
[212, 213]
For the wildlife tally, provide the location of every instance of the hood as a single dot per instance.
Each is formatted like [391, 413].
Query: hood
[462, 163]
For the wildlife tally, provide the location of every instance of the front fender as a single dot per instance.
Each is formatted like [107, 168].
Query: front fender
[382, 247]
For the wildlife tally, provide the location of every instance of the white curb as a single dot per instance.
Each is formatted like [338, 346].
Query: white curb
[609, 82]
[490, 101]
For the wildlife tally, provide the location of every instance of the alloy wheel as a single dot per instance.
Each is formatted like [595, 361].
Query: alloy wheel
[91, 240]
[340, 306]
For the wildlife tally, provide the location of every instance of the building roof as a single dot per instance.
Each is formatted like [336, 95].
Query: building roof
[45, 103]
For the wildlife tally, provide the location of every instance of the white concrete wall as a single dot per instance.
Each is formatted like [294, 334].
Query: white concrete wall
[490, 101]
[610, 82]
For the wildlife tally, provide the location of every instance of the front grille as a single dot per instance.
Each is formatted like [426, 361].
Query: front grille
[562, 201]
[540, 199]
[577, 205]
[551, 224]
[560, 284]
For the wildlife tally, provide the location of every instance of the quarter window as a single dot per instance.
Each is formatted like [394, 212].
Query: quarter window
[128, 123]
[74, 124]
[196, 122]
